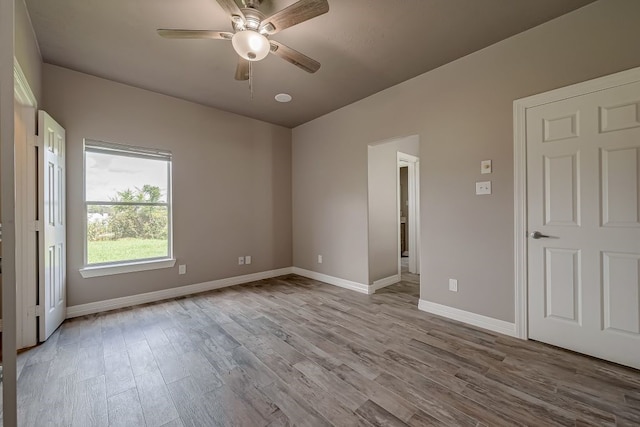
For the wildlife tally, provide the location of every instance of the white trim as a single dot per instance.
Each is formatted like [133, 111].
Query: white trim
[418, 232]
[520, 219]
[22, 90]
[25, 204]
[112, 304]
[383, 283]
[601, 83]
[413, 226]
[108, 270]
[336, 281]
[520, 107]
[490, 323]
[132, 151]
[26, 195]
[401, 163]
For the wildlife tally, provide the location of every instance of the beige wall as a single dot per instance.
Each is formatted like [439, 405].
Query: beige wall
[231, 181]
[26, 49]
[383, 204]
[7, 31]
[463, 114]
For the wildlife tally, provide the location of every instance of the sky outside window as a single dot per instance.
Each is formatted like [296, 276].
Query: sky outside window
[107, 174]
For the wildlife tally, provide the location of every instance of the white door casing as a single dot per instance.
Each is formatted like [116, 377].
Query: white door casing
[51, 188]
[583, 182]
[26, 194]
[416, 213]
[413, 225]
[26, 245]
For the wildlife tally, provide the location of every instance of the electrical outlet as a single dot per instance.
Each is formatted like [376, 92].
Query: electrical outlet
[483, 188]
[182, 269]
[453, 285]
[241, 260]
[319, 259]
[247, 259]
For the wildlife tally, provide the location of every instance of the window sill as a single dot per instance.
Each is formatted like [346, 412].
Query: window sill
[108, 270]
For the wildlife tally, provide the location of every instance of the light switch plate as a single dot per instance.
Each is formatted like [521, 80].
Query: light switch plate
[485, 166]
[247, 259]
[483, 187]
[241, 260]
[453, 285]
[182, 269]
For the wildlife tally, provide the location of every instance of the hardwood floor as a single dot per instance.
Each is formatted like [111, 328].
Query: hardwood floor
[293, 351]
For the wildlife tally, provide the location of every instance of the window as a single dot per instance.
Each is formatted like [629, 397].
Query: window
[127, 195]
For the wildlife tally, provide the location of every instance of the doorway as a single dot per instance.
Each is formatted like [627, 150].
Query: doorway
[408, 216]
[385, 240]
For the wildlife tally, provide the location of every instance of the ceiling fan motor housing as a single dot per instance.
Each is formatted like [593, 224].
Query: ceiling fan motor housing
[252, 19]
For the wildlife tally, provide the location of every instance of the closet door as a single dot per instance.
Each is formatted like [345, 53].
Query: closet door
[51, 189]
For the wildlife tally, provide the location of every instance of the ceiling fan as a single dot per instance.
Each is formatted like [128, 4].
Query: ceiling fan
[251, 32]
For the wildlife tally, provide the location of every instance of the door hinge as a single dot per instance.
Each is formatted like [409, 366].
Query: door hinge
[35, 225]
[36, 311]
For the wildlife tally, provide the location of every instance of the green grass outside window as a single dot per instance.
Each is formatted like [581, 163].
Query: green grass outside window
[102, 251]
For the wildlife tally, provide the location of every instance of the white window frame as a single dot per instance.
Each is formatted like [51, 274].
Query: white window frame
[128, 266]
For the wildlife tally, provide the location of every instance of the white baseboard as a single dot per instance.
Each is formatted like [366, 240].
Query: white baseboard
[112, 304]
[383, 283]
[336, 281]
[474, 319]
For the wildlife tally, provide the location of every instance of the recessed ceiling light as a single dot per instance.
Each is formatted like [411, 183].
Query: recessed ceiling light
[283, 97]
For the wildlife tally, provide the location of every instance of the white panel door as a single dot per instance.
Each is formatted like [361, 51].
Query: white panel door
[51, 199]
[583, 186]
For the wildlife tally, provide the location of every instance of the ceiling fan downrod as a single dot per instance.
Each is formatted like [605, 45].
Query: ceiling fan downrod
[253, 4]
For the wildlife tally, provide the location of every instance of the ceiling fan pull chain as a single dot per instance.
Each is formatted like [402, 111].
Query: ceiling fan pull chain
[251, 79]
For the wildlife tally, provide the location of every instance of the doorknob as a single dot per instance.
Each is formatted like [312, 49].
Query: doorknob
[538, 235]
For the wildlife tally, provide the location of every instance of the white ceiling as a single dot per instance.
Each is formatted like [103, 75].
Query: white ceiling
[364, 46]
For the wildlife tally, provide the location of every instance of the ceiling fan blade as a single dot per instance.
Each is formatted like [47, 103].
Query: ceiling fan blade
[231, 8]
[242, 70]
[194, 34]
[293, 56]
[298, 12]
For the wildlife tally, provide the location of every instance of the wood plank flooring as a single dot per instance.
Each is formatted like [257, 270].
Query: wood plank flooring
[293, 351]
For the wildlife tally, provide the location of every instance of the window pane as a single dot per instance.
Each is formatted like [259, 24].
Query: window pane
[123, 233]
[121, 178]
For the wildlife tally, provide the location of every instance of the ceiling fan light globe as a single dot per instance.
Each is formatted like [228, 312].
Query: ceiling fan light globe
[250, 45]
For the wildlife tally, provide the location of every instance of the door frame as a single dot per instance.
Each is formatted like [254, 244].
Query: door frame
[413, 226]
[520, 107]
[26, 245]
